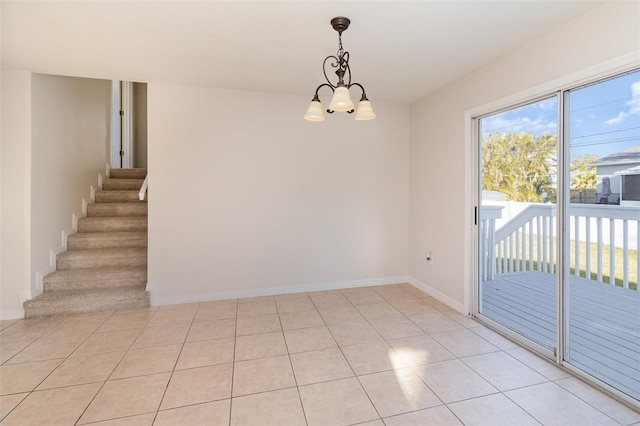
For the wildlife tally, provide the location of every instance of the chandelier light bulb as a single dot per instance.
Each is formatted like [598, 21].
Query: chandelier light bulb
[314, 112]
[364, 112]
[341, 100]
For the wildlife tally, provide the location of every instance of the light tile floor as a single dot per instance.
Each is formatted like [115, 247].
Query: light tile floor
[385, 355]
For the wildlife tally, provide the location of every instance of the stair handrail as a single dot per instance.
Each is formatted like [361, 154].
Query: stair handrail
[532, 211]
[143, 188]
[509, 248]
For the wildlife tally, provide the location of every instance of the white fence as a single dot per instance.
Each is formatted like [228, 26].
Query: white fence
[527, 242]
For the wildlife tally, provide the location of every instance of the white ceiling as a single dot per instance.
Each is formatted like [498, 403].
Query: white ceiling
[400, 50]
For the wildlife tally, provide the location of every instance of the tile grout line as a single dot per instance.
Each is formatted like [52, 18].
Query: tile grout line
[166, 388]
[412, 368]
[233, 363]
[293, 371]
[114, 368]
[103, 383]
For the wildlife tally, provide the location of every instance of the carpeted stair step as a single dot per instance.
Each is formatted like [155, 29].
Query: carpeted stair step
[86, 301]
[101, 258]
[127, 173]
[112, 224]
[95, 278]
[122, 184]
[112, 196]
[105, 265]
[116, 209]
[98, 240]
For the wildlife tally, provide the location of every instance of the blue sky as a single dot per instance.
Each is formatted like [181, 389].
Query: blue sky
[604, 117]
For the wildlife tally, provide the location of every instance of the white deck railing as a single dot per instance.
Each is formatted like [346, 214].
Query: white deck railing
[528, 241]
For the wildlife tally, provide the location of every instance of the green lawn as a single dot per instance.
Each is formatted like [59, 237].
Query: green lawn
[606, 274]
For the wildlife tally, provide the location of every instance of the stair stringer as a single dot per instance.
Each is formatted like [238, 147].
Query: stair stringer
[54, 252]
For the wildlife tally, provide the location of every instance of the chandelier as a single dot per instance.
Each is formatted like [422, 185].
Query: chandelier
[341, 100]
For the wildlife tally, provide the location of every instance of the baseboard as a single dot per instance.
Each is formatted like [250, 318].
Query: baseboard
[453, 304]
[12, 314]
[204, 297]
[16, 313]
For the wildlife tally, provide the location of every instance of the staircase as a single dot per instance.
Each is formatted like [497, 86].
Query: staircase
[105, 265]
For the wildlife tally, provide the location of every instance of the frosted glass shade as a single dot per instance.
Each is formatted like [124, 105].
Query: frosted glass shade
[365, 112]
[341, 100]
[314, 112]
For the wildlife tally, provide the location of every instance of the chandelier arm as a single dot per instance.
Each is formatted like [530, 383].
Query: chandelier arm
[315, 97]
[364, 94]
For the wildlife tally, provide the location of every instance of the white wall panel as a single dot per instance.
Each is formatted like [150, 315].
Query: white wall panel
[15, 181]
[244, 195]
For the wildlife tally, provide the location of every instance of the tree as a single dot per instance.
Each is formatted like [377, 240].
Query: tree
[520, 165]
[583, 174]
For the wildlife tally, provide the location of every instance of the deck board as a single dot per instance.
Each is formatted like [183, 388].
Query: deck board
[604, 324]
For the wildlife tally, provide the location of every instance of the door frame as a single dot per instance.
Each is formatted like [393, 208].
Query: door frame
[122, 149]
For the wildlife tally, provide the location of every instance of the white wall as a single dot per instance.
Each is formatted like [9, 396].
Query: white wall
[441, 214]
[69, 147]
[15, 177]
[247, 198]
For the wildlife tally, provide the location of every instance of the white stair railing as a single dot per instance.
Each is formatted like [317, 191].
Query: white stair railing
[143, 189]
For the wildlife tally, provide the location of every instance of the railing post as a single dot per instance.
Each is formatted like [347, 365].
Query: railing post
[625, 254]
[587, 266]
[530, 229]
[576, 245]
[599, 254]
[492, 249]
[612, 251]
[487, 245]
[539, 243]
[545, 247]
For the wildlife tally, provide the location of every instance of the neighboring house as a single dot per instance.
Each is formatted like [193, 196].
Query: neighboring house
[630, 184]
[619, 177]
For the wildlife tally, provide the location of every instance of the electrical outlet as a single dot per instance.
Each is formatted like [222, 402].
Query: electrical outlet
[429, 258]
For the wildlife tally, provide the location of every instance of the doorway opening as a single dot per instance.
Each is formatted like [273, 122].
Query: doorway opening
[128, 124]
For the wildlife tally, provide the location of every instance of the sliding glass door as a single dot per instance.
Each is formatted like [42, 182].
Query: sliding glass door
[602, 302]
[517, 219]
[558, 199]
